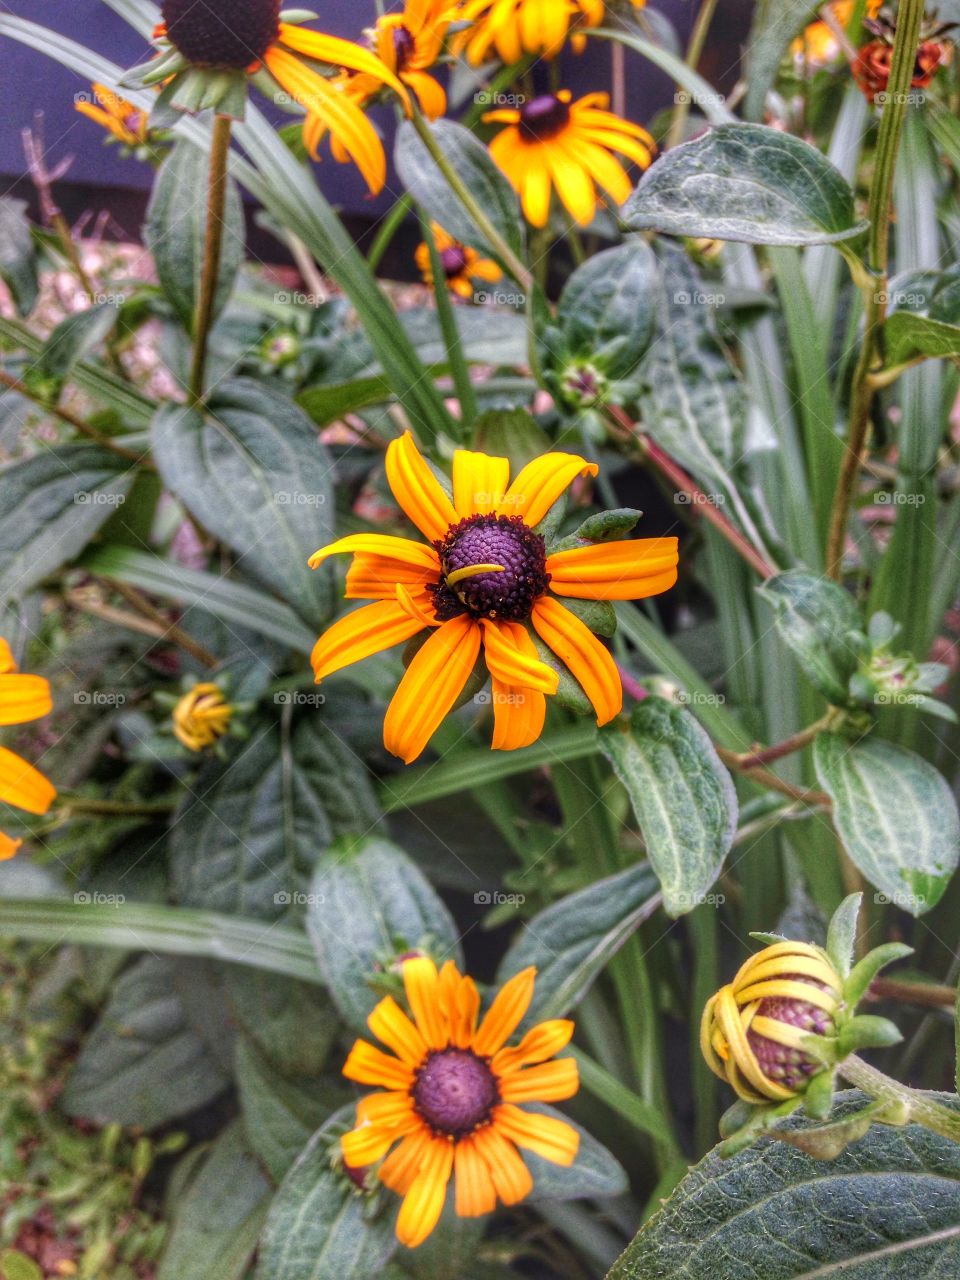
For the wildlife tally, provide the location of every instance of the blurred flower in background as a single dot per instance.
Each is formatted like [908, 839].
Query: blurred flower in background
[462, 266]
[23, 698]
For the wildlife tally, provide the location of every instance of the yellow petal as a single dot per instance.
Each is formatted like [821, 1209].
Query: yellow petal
[475, 1192]
[512, 657]
[392, 1027]
[401, 550]
[23, 786]
[423, 1203]
[417, 489]
[402, 1165]
[368, 1065]
[8, 847]
[540, 1042]
[548, 1082]
[361, 633]
[479, 482]
[421, 983]
[546, 1136]
[541, 483]
[432, 683]
[628, 570]
[24, 698]
[367, 1144]
[340, 53]
[510, 1176]
[505, 1014]
[7, 661]
[582, 653]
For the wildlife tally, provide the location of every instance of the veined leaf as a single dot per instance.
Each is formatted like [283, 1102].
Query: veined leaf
[815, 617]
[895, 814]
[606, 312]
[682, 794]
[909, 336]
[745, 182]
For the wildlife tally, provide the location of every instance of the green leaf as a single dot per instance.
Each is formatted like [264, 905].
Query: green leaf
[595, 1173]
[842, 933]
[144, 1063]
[775, 24]
[895, 814]
[18, 259]
[573, 940]
[815, 617]
[683, 797]
[745, 182]
[279, 1117]
[864, 972]
[252, 828]
[606, 311]
[471, 161]
[888, 1208]
[318, 1226]
[53, 504]
[908, 337]
[254, 473]
[512, 434]
[72, 340]
[15, 1265]
[217, 1221]
[176, 227]
[693, 403]
[368, 901]
[293, 1024]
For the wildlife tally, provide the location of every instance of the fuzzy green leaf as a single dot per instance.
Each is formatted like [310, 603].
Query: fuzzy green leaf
[18, 259]
[606, 312]
[815, 618]
[909, 336]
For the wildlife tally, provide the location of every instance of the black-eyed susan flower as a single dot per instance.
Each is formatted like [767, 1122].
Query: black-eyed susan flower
[482, 578]
[208, 49]
[513, 28]
[462, 266]
[817, 46]
[202, 716]
[452, 1096]
[871, 69]
[760, 1032]
[121, 119]
[410, 43]
[554, 144]
[23, 698]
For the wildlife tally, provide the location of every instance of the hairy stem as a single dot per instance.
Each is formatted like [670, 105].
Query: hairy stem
[920, 1108]
[216, 197]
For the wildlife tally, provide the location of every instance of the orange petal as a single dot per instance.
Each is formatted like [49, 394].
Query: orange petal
[421, 983]
[23, 786]
[373, 577]
[546, 1136]
[392, 1027]
[417, 489]
[505, 1014]
[361, 633]
[615, 570]
[540, 1042]
[578, 649]
[392, 1110]
[549, 1082]
[402, 550]
[367, 1144]
[24, 698]
[512, 657]
[8, 847]
[541, 482]
[423, 1203]
[510, 1176]
[479, 482]
[432, 683]
[401, 1166]
[475, 1192]
[369, 1065]
[339, 53]
[519, 709]
[418, 605]
[461, 1003]
[8, 662]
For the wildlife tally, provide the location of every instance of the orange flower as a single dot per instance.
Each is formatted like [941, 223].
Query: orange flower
[22, 698]
[453, 1093]
[481, 577]
[818, 45]
[461, 264]
[127, 123]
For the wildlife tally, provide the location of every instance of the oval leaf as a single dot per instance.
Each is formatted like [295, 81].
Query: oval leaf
[18, 259]
[895, 814]
[815, 618]
[745, 182]
[607, 309]
[683, 797]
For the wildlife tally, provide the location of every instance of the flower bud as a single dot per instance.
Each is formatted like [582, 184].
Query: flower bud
[757, 1031]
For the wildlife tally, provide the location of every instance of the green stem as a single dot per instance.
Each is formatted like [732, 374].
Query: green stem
[460, 189]
[216, 197]
[628, 1105]
[388, 228]
[93, 806]
[698, 38]
[920, 1109]
[874, 281]
[459, 368]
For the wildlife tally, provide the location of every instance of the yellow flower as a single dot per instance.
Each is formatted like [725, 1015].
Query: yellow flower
[461, 264]
[409, 43]
[552, 143]
[818, 46]
[452, 1095]
[480, 578]
[247, 35]
[512, 28]
[755, 1032]
[201, 717]
[22, 698]
[127, 123]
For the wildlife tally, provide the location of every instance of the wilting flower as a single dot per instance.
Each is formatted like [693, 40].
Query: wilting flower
[552, 143]
[818, 45]
[208, 47]
[871, 70]
[22, 698]
[757, 1032]
[481, 577]
[512, 28]
[452, 1095]
[127, 123]
[201, 717]
[461, 264]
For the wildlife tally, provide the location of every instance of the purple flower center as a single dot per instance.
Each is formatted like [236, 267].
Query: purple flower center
[228, 34]
[404, 46]
[508, 593]
[455, 1092]
[790, 1067]
[453, 261]
[543, 117]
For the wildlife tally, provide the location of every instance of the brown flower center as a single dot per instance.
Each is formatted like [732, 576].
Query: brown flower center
[222, 34]
[543, 117]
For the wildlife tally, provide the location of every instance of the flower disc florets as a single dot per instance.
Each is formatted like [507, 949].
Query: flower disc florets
[511, 569]
[455, 1092]
[228, 34]
[543, 117]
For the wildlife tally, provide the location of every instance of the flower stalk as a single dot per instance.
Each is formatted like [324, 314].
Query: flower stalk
[213, 246]
[916, 1107]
